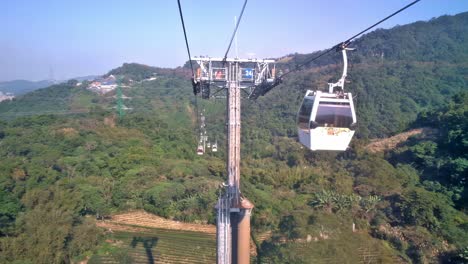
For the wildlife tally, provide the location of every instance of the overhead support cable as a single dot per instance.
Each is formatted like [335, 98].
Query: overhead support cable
[185, 35]
[344, 44]
[196, 86]
[235, 30]
[381, 21]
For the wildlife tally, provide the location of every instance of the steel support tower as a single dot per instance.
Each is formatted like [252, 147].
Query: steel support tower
[233, 209]
[121, 108]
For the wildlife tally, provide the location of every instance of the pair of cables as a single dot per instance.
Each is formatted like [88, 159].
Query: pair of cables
[337, 47]
[186, 39]
[195, 85]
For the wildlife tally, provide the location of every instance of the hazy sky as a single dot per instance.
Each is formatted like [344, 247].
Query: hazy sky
[87, 37]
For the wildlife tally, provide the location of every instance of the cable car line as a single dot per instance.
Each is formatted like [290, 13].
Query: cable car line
[388, 17]
[340, 46]
[235, 31]
[196, 86]
[185, 36]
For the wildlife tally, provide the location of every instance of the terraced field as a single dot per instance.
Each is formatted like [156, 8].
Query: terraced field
[336, 252]
[154, 245]
[144, 219]
[140, 237]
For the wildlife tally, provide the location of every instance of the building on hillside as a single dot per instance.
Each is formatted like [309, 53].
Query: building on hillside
[103, 85]
[150, 79]
[6, 96]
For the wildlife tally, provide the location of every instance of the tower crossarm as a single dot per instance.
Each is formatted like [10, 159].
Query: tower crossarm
[251, 72]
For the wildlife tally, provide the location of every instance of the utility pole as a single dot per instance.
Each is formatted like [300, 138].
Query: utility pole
[121, 108]
[52, 75]
[120, 105]
[233, 209]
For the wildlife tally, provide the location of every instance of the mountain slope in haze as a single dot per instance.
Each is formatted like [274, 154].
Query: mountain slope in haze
[64, 98]
[70, 98]
[19, 87]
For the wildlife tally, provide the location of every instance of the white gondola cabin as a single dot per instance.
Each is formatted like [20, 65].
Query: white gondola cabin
[326, 121]
[200, 150]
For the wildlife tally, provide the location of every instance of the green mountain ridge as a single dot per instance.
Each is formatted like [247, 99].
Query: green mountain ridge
[19, 87]
[139, 72]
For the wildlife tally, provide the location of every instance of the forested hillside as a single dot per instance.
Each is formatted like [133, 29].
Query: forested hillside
[138, 72]
[59, 99]
[59, 173]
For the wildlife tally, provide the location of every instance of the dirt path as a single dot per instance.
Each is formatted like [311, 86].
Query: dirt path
[391, 142]
[112, 227]
[192, 114]
[144, 219]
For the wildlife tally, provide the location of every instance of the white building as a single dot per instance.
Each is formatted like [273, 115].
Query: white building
[7, 96]
[103, 85]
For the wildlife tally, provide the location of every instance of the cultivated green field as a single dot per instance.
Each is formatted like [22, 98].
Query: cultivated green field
[157, 246]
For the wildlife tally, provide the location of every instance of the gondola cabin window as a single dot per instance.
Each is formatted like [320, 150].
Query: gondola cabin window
[304, 113]
[331, 114]
[218, 74]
